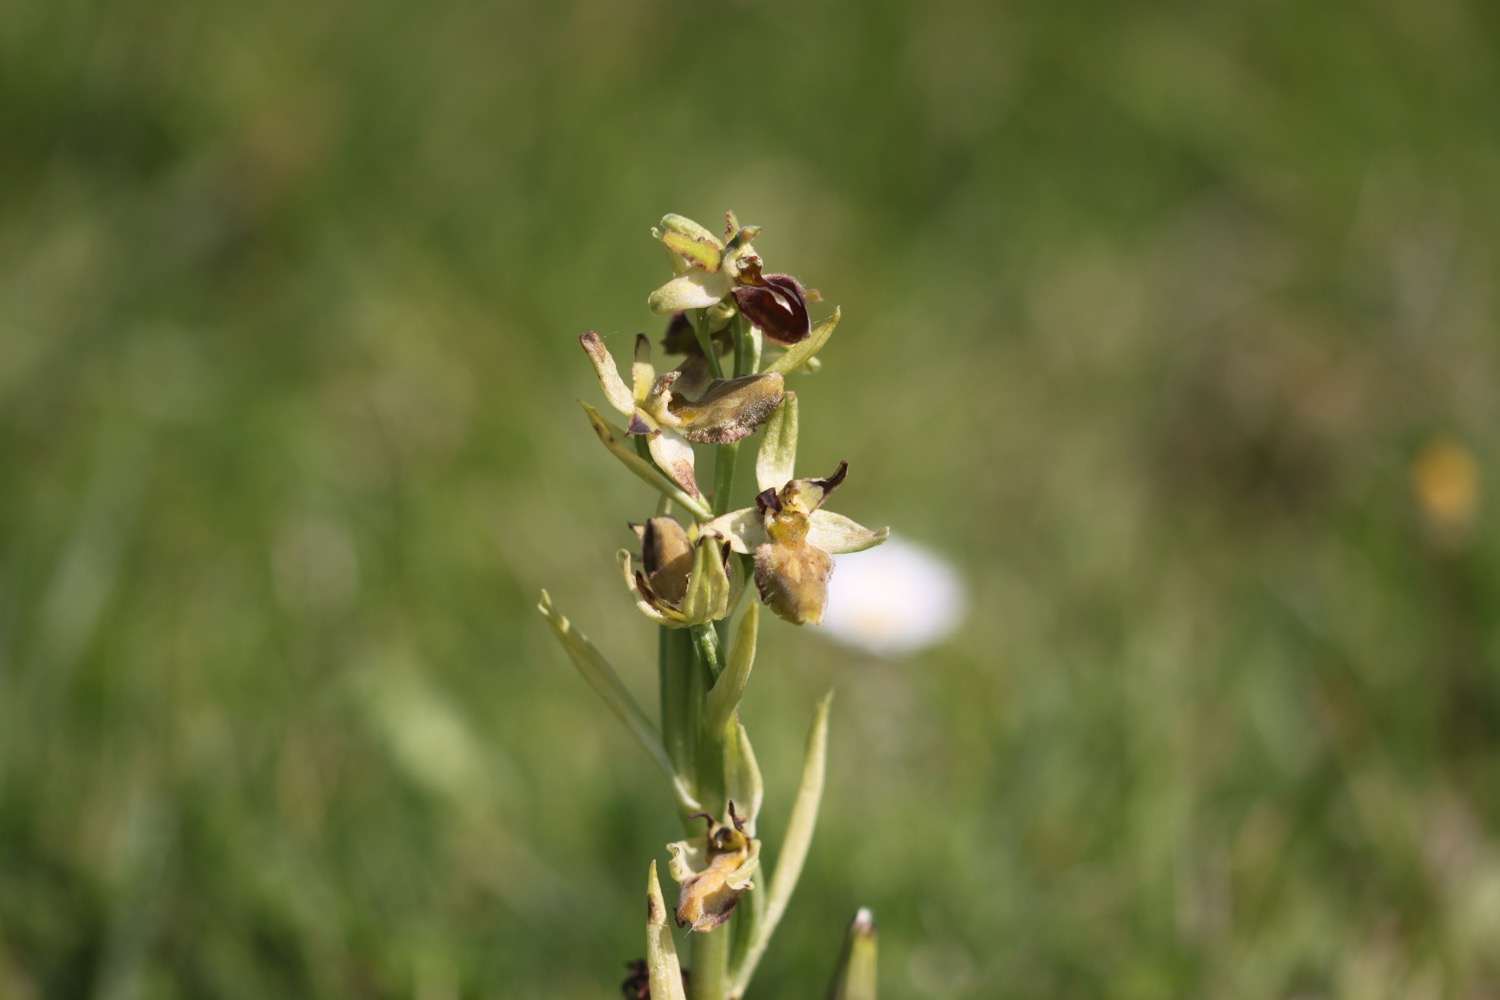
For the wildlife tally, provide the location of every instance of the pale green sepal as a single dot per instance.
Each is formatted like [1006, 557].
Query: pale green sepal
[693, 290]
[708, 590]
[855, 979]
[725, 696]
[661, 951]
[606, 684]
[615, 390]
[775, 462]
[613, 438]
[799, 354]
[743, 529]
[627, 565]
[837, 534]
[676, 227]
[799, 832]
[697, 252]
[742, 781]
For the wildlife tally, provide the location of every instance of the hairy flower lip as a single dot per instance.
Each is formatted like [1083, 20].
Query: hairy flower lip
[794, 541]
[777, 304]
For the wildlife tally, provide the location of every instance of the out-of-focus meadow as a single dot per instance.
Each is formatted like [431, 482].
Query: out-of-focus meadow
[1174, 326]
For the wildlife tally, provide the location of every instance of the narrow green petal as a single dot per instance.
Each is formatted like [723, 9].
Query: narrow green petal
[613, 438]
[799, 832]
[642, 374]
[799, 354]
[837, 534]
[661, 950]
[775, 463]
[606, 684]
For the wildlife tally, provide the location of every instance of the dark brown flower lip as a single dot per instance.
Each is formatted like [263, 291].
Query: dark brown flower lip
[777, 304]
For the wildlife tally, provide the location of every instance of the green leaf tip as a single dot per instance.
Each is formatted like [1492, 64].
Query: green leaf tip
[606, 683]
[661, 951]
[855, 978]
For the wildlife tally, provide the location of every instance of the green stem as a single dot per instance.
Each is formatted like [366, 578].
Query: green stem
[706, 646]
[724, 458]
[681, 701]
[706, 341]
[709, 965]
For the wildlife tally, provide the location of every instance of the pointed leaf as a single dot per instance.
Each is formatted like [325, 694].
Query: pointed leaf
[661, 950]
[793, 854]
[799, 354]
[855, 979]
[606, 683]
[725, 696]
[613, 438]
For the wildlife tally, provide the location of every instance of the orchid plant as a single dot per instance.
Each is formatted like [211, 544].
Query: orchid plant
[740, 334]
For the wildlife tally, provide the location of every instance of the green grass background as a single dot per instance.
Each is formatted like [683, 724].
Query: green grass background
[1150, 309]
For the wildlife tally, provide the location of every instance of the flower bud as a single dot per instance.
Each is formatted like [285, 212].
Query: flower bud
[681, 582]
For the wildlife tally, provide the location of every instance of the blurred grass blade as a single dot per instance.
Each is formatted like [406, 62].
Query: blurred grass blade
[855, 979]
[799, 833]
[613, 438]
[606, 683]
[725, 696]
[798, 355]
[661, 950]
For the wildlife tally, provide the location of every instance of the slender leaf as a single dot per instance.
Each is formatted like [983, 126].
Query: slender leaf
[661, 950]
[725, 696]
[613, 438]
[799, 354]
[799, 833]
[606, 683]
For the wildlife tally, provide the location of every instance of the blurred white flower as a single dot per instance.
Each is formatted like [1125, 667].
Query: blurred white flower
[894, 599]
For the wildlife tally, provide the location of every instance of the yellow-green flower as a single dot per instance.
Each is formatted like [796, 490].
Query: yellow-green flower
[709, 270]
